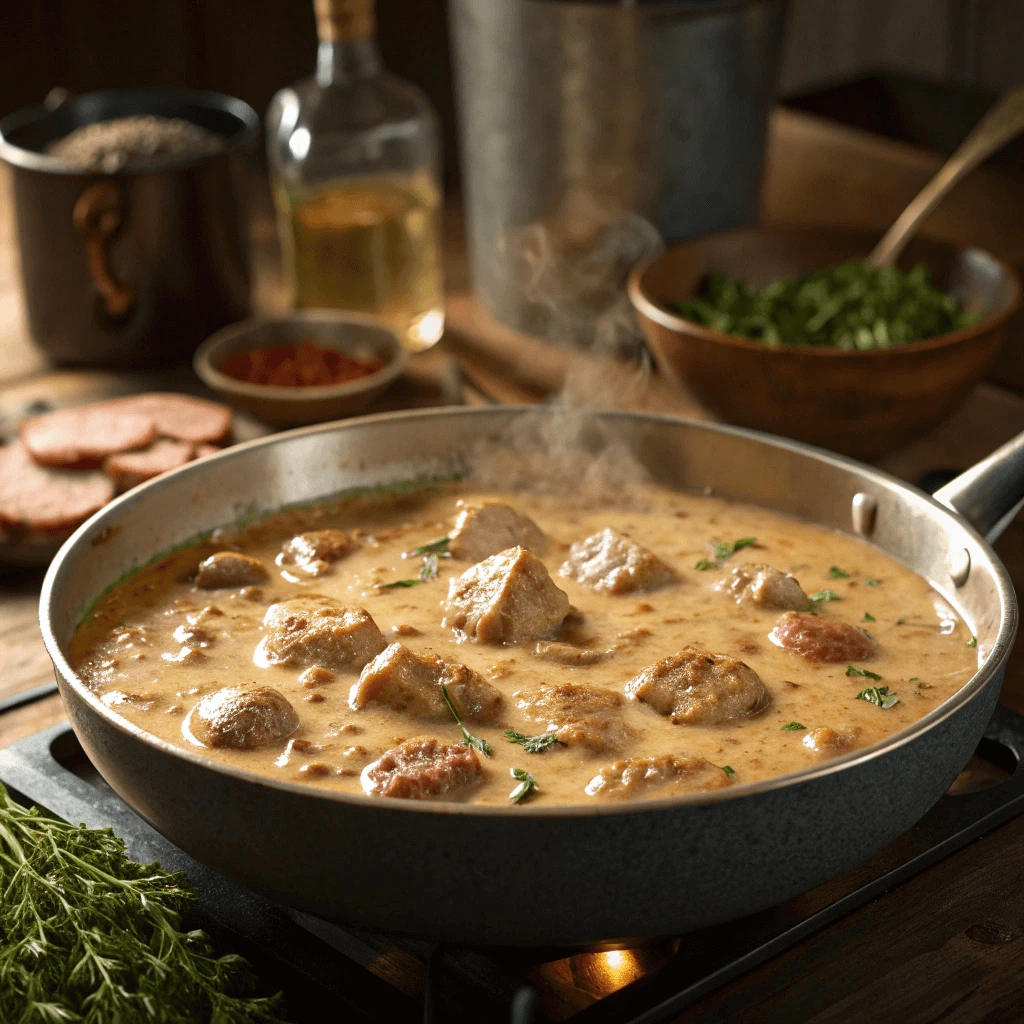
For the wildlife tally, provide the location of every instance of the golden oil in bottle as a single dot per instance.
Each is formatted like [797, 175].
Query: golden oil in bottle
[372, 246]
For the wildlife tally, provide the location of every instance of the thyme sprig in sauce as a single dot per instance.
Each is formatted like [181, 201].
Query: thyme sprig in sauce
[533, 744]
[476, 742]
[88, 936]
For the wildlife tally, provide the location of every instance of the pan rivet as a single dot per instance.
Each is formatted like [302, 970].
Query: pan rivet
[863, 509]
[959, 565]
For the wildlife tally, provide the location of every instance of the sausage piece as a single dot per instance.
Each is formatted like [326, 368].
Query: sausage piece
[609, 561]
[313, 630]
[763, 586]
[485, 529]
[130, 468]
[87, 435]
[421, 768]
[696, 687]
[578, 714]
[34, 497]
[406, 681]
[315, 551]
[822, 639]
[229, 569]
[241, 718]
[665, 775]
[506, 598]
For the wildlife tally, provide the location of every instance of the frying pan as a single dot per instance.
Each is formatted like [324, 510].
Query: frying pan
[535, 875]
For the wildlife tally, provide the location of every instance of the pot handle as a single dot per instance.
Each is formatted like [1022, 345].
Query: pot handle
[990, 494]
[97, 215]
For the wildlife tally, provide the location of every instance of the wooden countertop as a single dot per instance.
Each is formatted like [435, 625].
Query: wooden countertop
[917, 951]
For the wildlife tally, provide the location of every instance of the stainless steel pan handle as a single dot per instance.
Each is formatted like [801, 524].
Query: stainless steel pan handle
[990, 494]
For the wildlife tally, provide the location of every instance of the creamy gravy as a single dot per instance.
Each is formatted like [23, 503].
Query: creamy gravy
[128, 653]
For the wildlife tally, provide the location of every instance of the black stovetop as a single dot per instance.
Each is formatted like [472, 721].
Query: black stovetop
[362, 976]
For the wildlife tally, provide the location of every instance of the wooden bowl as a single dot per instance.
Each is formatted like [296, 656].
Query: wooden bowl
[360, 337]
[863, 404]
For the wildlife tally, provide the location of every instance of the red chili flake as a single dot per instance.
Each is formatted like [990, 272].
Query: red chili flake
[297, 365]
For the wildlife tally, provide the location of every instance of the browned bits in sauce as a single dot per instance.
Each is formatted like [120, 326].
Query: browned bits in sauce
[316, 769]
[404, 630]
[314, 698]
[315, 676]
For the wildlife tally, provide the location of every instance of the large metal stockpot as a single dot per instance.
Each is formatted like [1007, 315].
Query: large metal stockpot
[132, 267]
[532, 875]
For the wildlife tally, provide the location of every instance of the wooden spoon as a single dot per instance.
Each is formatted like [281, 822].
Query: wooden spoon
[1000, 124]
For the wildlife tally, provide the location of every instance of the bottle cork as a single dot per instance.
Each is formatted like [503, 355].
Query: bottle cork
[343, 21]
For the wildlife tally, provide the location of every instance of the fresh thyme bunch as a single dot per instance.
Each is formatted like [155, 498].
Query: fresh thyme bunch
[88, 936]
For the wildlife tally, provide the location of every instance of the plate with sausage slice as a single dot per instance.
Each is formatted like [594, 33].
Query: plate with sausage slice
[59, 467]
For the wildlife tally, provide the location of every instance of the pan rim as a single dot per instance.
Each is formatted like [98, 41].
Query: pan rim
[982, 678]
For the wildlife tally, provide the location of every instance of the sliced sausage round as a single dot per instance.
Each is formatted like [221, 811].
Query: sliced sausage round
[822, 639]
[423, 767]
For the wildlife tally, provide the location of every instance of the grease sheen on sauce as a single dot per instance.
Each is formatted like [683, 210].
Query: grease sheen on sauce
[128, 654]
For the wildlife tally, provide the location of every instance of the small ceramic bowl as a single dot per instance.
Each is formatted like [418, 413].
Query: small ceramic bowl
[863, 404]
[359, 337]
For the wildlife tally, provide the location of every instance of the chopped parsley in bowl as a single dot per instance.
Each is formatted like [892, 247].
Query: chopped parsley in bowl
[851, 306]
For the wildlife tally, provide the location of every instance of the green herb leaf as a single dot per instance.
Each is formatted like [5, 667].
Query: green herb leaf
[533, 744]
[901, 622]
[476, 742]
[88, 935]
[838, 574]
[872, 583]
[914, 679]
[724, 551]
[793, 726]
[879, 695]
[527, 785]
[973, 642]
[704, 564]
[429, 570]
[728, 770]
[824, 595]
[852, 670]
[868, 617]
[398, 583]
[431, 547]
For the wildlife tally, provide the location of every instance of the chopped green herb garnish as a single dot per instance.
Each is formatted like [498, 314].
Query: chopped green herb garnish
[973, 642]
[724, 551]
[429, 570]
[533, 744]
[914, 679]
[879, 695]
[901, 622]
[527, 785]
[838, 574]
[824, 595]
[793, 726]
[850, 306]
[398, 583]
[431, 547]
[852, 670]
[868, 617]
[86, 934]
[872, 583]
[476, 742]
[728, 770]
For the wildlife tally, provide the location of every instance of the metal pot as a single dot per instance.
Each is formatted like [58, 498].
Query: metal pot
[130, 267]
[589, 129]
[528, 875]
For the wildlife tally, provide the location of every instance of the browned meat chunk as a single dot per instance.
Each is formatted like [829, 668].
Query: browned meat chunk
[765, 587]
[34, 497]
[423, 767]
[86, 435]
[506, 598]
[696, 687]
[665, 775]
[611, 562]
[229, 569]
[315, 552]
[401, 679]
[828, 742]
[578, 714]
[241, 718]
[312, 630]
[818, 638]
[484, 530]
